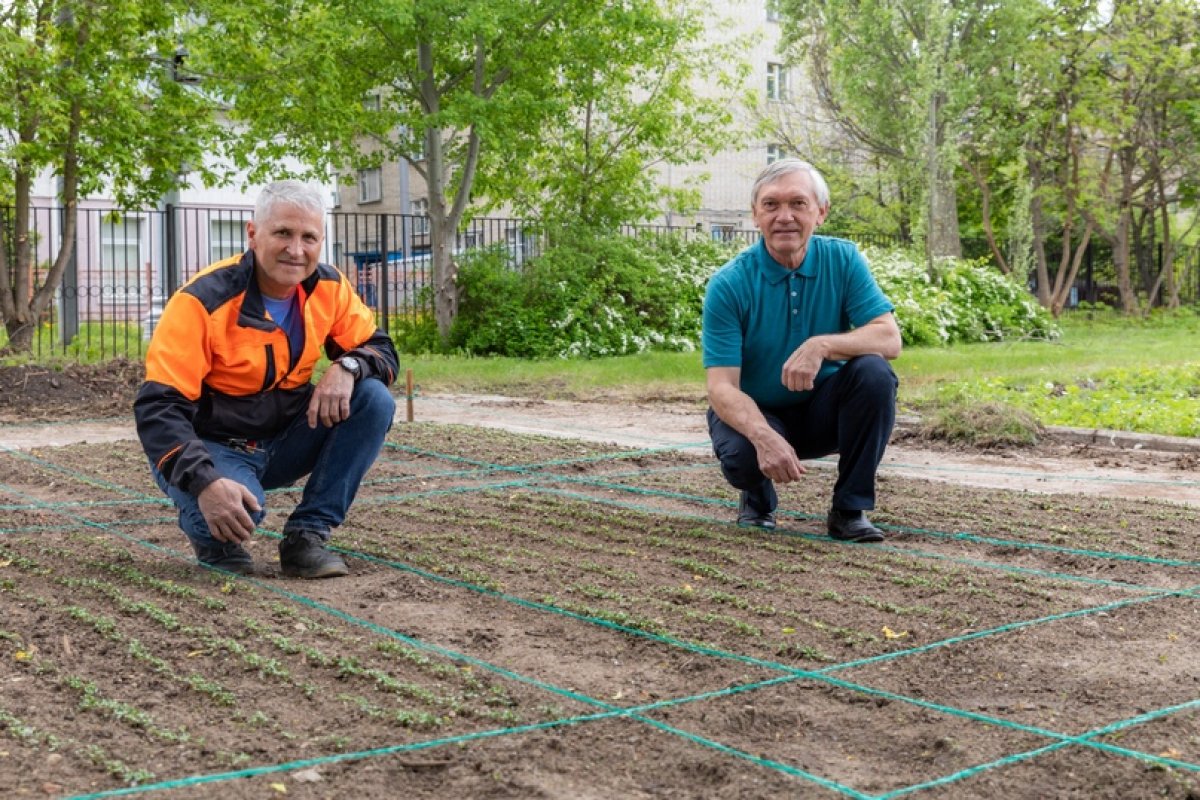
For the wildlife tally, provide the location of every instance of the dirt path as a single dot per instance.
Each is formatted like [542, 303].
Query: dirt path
[1076, 462]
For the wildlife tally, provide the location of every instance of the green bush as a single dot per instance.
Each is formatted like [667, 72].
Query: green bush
[605, 295]
[963, 301]
[591, 295]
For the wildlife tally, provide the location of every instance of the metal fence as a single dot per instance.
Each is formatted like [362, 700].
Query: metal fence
[124, 266]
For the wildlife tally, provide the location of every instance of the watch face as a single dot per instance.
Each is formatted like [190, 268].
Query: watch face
[350, 363]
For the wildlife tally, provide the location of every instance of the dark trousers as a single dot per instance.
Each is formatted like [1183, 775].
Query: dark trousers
[851, 413]
[335, 460]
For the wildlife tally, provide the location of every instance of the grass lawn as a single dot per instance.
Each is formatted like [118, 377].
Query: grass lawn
[1156, 359]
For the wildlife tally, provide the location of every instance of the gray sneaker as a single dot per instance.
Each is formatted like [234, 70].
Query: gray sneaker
[304, 554]
[229, 556]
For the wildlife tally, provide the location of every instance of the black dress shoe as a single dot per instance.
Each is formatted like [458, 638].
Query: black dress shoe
[852, 526]
[751, 517]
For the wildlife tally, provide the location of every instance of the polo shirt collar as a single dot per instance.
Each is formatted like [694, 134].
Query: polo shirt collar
[776, 272]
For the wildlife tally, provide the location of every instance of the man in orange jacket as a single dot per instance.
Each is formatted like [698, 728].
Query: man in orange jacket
[228, 409]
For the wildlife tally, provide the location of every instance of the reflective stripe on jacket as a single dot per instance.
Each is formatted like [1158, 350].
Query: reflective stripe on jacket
[218, 368]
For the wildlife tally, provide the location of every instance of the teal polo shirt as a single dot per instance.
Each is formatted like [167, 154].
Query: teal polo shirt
[757, 312]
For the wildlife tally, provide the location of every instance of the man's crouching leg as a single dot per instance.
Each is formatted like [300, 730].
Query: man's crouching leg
[345, 454]
[210, 552]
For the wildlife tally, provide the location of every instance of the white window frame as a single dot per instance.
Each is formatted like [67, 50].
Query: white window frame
[370, 185]
[776, 81]
[124, 276]
[226, 237]
[420, 212]
[775, 152]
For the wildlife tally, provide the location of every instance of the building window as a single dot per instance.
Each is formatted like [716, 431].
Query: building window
[468, 240]
[776, 82]
[420, 210]
[723, 231]
[775, 152]
[120, 257]
[226, 237]
[370, 185]
[773, 11]
[372, 102]
[522, 244]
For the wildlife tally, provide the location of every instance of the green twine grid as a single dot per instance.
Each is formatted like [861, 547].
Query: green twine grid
[791, 674]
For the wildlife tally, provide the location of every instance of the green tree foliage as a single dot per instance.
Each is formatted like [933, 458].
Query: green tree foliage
[1052, 123]
[470, 93]
[594, 163]
[899, 78]
[97, 94]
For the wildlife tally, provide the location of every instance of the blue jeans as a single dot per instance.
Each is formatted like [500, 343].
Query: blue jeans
[336, 459]
[851, 413]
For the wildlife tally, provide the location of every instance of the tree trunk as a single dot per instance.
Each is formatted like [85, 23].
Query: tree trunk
[1066, 275]
[944, 238]
[985, 200]
[1038, 220]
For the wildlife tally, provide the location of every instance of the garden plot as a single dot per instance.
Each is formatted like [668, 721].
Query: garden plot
[539, 617]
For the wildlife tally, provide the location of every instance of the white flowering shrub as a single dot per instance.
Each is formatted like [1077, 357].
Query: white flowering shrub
[962, 301]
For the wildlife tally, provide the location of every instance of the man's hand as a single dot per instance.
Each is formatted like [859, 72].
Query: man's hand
[226, 506]
[801, 368]
[330, 403]
[776, 458]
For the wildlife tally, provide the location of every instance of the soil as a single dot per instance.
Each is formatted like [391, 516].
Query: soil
[539, 616]
[33, 393]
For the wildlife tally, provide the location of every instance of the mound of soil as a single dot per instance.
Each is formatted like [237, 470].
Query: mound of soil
[37, 393]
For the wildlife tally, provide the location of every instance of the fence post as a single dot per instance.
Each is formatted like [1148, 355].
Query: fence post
[68, 324]
[385, 290]
[1090, 291]
[171, 265]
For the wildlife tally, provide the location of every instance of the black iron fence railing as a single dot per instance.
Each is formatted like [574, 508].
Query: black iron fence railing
[124, 266]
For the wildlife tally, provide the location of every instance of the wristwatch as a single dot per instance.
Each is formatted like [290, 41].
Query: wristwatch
[351, 365]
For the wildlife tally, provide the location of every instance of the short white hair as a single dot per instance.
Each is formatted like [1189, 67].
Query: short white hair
[288, 192]
[786, 166]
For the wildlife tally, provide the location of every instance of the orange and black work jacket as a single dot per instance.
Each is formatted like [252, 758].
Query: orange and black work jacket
[219, 368]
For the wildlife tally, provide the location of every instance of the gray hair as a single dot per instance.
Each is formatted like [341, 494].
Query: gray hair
[292, 193]
[786, 166]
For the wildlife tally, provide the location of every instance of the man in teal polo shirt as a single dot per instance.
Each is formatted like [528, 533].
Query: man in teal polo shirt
[797, 336]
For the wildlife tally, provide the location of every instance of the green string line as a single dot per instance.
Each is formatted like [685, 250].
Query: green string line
[533, 483]
[88, 479]
[822, 675]
[1083, 739]
[445, 652]
[534, 465]
[487, 666]
[853, 687]
[958, 536]
[541, 685]
[634, 712]
[915, 553]
[140, 501]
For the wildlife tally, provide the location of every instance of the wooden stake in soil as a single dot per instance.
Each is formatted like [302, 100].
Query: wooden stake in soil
[408, 387]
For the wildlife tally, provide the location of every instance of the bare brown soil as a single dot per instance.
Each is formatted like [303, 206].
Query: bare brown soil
[32, 392]
[538, 617]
